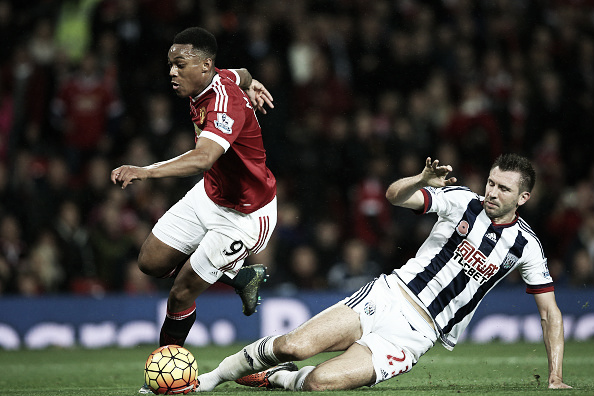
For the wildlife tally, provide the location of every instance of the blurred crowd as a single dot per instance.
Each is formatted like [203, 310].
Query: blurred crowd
[363, 91]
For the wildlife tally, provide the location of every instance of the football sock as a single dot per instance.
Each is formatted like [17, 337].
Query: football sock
[253, 358]
[176, 326]
[291, 380]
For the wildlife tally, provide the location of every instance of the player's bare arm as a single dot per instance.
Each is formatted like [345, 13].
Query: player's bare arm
[245, 78]
[405, 192]
[255, 90]
[552, 332]
[190, 163]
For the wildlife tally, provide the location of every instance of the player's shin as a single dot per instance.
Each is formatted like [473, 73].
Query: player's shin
[253, 358]
[176, 326]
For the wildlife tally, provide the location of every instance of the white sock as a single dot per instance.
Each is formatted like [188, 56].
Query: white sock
[291, 380]
[253, 358]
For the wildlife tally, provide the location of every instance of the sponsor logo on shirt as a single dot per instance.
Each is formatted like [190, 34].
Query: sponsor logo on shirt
[474, 262]
[224, 123]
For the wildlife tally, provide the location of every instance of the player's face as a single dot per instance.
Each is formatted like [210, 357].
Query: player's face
[503, 196]
[189, 72]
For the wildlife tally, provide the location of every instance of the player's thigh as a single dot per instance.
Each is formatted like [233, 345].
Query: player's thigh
[334, 329]
[352, 369]
[157, 258]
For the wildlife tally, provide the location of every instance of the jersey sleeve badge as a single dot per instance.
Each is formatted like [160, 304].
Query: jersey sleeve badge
[224, 123]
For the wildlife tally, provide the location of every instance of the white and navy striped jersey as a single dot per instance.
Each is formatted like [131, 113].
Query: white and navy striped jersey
[465, 256]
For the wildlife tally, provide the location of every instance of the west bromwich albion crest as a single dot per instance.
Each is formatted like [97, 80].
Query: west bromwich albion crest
[509, 261]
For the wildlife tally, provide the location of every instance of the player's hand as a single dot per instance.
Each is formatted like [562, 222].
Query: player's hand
[259, 96]
[435, 175]
[126, 174]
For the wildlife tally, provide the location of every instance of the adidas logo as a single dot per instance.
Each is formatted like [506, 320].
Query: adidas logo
[248, 358]
[492, 236]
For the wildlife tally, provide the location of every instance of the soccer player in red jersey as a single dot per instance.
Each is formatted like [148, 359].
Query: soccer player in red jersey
[231, 212]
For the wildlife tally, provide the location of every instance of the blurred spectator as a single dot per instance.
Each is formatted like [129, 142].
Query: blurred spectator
[363, 93]
[44, 262]
[327, 242]
[85, 108]
[580, 253]
[110, 239]
[303, 271]
[6, 121]
[12, 247]
[354, 270]
[137, 282]
[372, 212]
[76, 256]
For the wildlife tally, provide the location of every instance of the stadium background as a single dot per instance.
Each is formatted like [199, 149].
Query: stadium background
[364, 91]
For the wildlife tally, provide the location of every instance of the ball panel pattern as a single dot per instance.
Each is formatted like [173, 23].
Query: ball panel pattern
[171, 370]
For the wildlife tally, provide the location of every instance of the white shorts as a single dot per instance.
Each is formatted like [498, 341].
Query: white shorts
[197, 226]
[393, 330]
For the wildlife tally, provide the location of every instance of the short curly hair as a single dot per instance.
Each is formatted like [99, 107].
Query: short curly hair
[201, 39]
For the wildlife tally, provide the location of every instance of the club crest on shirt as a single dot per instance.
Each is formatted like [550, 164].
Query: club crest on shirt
[202, 115]
[369, 308]
[509, 261]
[463, 228]
[224, 123]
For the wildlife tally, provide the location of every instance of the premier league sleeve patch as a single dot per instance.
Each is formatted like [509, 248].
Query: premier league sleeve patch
[224, 123]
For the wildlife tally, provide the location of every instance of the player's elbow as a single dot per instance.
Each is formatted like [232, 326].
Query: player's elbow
[391, 196]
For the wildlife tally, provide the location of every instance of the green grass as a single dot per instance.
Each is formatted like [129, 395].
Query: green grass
[493, 369]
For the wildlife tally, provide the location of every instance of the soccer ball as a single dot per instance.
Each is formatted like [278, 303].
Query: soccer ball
[171, 370]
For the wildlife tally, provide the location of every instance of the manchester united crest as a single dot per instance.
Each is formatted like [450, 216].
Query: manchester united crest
[202, 115]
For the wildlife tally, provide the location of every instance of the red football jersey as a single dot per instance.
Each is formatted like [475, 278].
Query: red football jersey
[239, 179]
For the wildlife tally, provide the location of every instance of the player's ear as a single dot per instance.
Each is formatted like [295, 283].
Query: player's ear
[207, 65]
[525, 196]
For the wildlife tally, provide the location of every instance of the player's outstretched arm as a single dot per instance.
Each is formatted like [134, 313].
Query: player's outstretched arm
[552, 332]
[405, 192]
[190, 163]
[255, 90]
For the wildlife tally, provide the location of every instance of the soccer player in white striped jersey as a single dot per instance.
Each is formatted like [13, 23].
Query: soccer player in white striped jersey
[386, 326]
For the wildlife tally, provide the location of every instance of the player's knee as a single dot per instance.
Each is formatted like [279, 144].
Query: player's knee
[291, 349]
[146, 265]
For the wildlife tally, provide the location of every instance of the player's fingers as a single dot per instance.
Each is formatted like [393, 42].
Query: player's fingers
[115, 174]
[428, 162]
[267, 95]
[268, 101]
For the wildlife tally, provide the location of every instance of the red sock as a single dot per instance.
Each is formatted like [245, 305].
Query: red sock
[176, 326]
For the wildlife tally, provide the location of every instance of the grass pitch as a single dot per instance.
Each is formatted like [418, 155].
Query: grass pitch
[493, 369]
